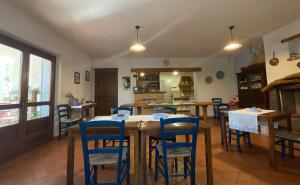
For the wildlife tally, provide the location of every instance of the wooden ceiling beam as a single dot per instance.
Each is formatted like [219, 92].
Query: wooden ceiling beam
[145, 70]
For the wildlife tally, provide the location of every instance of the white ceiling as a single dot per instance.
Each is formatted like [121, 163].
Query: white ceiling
[171, 28]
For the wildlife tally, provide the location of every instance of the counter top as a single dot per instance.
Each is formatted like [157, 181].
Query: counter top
[149, 92]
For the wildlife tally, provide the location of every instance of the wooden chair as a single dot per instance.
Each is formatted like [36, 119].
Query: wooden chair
[64, 118]
[96, 156]
[153, 140]
[173, 150]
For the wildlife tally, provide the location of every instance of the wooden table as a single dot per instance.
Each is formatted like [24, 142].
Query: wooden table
[131, 129]
[84, 108]
[197, 105]
[271, 118]
[153, 128]
[139, 130]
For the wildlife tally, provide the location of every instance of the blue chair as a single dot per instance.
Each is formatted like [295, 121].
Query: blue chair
[153, 140]
[93, 157]
[283, 135]
[116, 111]
[216, 100]
[64, 118]
[219, 107]
[173, 150]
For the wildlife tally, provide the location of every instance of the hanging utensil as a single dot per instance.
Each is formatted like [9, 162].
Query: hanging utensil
[274, 61]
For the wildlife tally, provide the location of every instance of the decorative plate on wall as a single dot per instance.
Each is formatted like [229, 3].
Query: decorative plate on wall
[220, 75]
[208, 79]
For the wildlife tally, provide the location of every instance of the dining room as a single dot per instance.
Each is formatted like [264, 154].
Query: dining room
[150, 92]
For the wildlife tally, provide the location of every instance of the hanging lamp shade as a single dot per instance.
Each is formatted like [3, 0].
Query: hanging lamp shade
[232, 45]
[137, 47]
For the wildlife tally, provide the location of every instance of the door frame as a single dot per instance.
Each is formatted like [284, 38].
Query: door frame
[25, 142]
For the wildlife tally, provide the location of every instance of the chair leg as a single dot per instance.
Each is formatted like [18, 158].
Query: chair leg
[95, 174]
[238, 141]
[283, 149]
[59, 131]
[128, 162]
[192, 176]
[229, 135]
[185, 167]
[150, 152]
[166, 170]
[249, 140]
[176, 165]
[156, 164]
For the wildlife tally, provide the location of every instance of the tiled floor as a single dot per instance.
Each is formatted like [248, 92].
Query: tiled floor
[46, 165]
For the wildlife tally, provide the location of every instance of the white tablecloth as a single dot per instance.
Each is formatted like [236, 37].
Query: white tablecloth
[245, 120]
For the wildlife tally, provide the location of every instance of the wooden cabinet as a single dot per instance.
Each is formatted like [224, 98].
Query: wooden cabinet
[250, 82]
[149, 82]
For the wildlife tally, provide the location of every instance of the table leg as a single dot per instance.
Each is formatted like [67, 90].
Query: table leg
[223, 132]
[197, 111]
[272, 157]
[208, 153]
[70, 159]
[291, 144]
[204, 112]
[143, 159]
[137, 149]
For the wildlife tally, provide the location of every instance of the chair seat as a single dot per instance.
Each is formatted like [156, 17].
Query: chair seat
[106, 158]
[70, 120]
[175, 152]
[285, 134]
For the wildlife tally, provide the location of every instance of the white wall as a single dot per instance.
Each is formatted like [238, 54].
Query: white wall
[168, 80]
[225, 88]
[272, 42]
[26, 28]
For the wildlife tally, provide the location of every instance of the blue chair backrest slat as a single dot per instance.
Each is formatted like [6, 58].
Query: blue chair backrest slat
[117, 109]
[165, 109]
[103, 137]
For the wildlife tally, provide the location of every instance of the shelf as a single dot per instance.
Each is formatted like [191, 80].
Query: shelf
[291, 38]
[293, 58]
[295, 115]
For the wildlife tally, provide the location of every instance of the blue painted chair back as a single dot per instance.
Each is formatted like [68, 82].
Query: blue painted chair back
[216, 100]
[165, 109]
[63, 111]
[194, 121]
[117, 109]
[219, 108]
[86, 137]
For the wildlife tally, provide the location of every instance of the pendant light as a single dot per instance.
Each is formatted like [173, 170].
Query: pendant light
[137, 47]
[232, 45]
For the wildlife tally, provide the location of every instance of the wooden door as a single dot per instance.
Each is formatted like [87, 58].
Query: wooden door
[106, 90]
[26, 97]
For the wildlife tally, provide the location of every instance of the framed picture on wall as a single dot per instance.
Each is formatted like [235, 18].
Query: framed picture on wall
[87, 75]
[76, 77]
